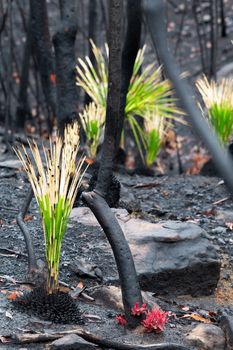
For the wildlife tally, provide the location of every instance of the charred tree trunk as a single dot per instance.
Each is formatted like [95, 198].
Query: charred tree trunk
[64, 43]
[223, 20]
[129, 53]
[213, 38]
[92, 34]
[23, 108]
[42, 47]
[95, 200]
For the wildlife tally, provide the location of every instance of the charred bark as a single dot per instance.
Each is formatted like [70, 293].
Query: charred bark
[42, 47]
[223, 20]
[95, 200]
[92, 34]
[64, 44]
[129, 53]
[113, 97]
[155, 16]
[128, 278]
[28, 338]
[32, 264]
[213, 38]
[23, 108]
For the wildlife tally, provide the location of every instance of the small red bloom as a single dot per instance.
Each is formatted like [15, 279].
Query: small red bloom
[137, 311]
[121, 319]
[155, 320]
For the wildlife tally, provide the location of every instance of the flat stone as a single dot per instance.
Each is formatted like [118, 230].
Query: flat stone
[207, 337]
[11, 163]
[72, 342]
[226, 322]
[168, 231]
[171, 257]
[111, 297]
[219, 230]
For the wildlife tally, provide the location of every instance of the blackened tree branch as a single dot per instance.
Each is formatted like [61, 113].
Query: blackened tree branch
[129, 53]
[32, 264]
[22, 108]
[42, 46]
[128, 278]
[27, 338]
[95, 200]
[113, 97]
[64, 43]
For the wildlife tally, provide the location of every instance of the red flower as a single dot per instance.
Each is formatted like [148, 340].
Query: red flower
[155, 320]
[121, 319]
[137, 311]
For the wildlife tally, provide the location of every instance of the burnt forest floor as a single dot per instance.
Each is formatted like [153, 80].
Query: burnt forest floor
[203, 200]
[200, 199]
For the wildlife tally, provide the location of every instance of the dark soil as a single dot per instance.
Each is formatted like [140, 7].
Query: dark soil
[178, 197]
[182, 198]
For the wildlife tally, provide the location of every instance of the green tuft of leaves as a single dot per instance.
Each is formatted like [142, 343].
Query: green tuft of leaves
[55, 188]
[218, 101]
[147, 94]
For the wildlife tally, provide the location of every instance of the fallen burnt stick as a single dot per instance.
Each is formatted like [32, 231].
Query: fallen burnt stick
[130, 288]
[155, 15]
[32, 264]
[27, 338]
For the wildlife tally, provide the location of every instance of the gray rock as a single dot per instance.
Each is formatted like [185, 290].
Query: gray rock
[171, 257]
[110, 296]
[72, 342]
[207, 337]
[226, 322]
[219, 230]
[178, 267]
[141, 231]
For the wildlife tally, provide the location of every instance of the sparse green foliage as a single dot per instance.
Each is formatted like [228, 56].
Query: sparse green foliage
[148, 97]
[92, 119]
[55, 188]
[155, 131]
[218, 100]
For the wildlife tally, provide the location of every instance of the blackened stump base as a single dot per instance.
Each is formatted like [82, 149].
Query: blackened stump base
[58, 307]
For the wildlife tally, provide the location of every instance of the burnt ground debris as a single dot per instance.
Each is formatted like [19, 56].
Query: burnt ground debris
[203, 200]
[200, 199]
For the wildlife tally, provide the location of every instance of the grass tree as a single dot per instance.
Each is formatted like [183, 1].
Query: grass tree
[218, 100]
[55, 185]
[92, 119]
[147, 93]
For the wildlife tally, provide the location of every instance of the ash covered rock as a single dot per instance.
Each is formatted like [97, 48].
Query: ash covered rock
[58, 307]
[72, 342]
[174, 258]
[171, 257]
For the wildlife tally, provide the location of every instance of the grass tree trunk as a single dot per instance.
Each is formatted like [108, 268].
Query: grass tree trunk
[23, 107]
[129, 53]
[42, 46]
[92, 34]
[64, 43]
[95, 200]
